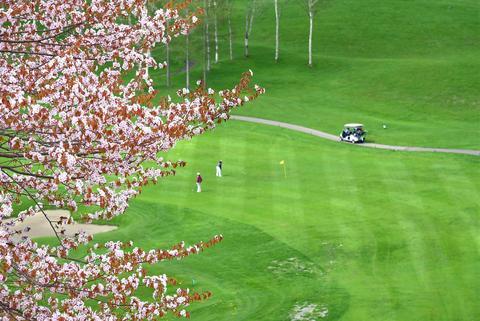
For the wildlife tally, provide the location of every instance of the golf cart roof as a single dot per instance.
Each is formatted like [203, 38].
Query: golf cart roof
[353, 125]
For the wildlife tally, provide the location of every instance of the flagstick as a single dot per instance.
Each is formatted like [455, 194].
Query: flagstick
[285, 170]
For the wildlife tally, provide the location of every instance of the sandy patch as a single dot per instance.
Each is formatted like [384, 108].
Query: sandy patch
[308, 312]
[39, 226]
[292, 265]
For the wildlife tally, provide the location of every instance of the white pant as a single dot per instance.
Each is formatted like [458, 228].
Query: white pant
[199, 187]
[219, 171]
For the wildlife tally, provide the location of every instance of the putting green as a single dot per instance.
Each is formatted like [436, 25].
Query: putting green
[368, 234]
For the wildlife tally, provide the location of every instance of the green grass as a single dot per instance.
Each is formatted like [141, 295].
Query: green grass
[386, 235]
[409, 64]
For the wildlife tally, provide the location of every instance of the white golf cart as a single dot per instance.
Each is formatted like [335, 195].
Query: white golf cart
[353, 133]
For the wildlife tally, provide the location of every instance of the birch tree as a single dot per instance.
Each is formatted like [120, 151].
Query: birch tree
[221, 12]
[152, 7]
[206, 42]
[206, 20]
[215, 29]
[277, 30]
[187, 54]
[311, 13]
[249, 16]
[167, 59]
[229, 23]
[311, 7]
[187, 61]
[254, 9]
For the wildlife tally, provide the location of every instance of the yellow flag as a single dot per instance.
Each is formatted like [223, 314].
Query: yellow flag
[282, 162]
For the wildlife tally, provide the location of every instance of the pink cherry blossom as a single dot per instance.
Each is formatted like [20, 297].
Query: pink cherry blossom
[74, 132]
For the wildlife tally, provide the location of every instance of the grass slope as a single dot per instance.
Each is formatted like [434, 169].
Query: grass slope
[408, 64]
[372, 235]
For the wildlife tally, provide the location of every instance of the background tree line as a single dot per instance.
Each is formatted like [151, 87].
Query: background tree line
[214, 38]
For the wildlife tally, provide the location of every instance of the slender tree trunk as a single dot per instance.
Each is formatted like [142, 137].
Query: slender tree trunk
[230, 36]
[187, 60]
[167, 58]
[230, 41]
[215, 29]
[149, 8]
[310, 13]
[168, 64]
[208, 49]
[277, 26]
[246, 36]
[250, 25]
[207, 2]
[205, 32]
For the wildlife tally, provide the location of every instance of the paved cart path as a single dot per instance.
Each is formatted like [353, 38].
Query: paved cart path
[328, 136]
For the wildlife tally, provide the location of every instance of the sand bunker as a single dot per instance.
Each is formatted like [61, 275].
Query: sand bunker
[307, 311]
[39, 226]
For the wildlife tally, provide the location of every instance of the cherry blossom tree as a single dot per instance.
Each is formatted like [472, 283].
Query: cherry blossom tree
[77, 128]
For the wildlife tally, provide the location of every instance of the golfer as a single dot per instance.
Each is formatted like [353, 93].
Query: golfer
[219, 169]
[199, 183]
